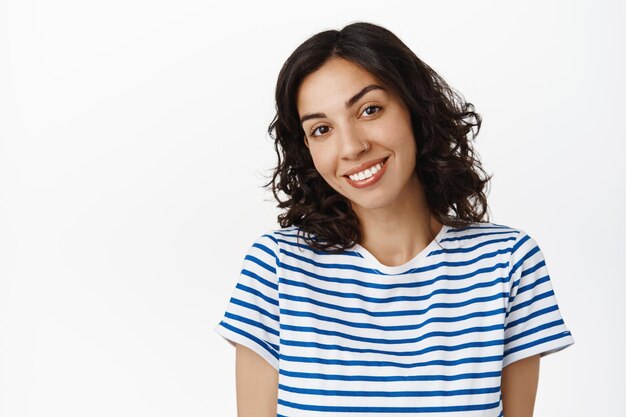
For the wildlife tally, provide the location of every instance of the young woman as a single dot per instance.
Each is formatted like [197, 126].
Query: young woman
[386, 291]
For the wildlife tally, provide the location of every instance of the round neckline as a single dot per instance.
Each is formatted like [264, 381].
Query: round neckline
[388, 269]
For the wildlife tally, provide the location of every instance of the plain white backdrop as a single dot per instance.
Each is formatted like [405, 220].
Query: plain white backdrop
[134, 146]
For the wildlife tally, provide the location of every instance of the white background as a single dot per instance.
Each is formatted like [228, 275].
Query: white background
[133, 148]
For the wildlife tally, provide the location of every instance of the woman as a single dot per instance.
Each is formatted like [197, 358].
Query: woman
[385, 291]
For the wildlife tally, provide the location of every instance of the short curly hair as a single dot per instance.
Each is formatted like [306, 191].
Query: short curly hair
[446, 164]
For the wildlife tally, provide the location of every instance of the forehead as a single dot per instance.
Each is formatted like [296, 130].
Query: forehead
[331, 85]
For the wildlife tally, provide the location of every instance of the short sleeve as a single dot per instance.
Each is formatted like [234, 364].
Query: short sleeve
[533, 322]
[252, 313]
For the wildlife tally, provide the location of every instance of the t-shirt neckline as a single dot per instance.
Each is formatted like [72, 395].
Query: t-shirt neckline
[407, 265]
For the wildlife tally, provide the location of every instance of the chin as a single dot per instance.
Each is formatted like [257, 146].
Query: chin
[372, 202]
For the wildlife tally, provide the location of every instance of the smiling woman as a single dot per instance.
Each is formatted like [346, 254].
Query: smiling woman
[404, 298]
[375, 122]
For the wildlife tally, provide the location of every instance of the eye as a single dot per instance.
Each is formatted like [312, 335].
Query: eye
[379, 108]
[315, 128]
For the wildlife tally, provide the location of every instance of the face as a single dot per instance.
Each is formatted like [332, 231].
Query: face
[342, 110]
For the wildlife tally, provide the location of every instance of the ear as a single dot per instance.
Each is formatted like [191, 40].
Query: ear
[306, 142]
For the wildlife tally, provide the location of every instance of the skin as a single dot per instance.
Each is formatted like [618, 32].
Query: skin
[256, 384]
[519, 387]
[396, 222]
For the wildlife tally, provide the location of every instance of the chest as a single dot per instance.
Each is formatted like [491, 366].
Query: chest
[405, 323]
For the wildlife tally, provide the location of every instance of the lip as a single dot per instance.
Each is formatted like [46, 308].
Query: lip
[364, 166]
[371, 180]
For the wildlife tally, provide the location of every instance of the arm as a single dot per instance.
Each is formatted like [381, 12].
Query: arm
[519, 387]
[257, 384]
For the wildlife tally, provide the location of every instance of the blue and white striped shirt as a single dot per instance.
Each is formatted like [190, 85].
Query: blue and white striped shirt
[352, 336]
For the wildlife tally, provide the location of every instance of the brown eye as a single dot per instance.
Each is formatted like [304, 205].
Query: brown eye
[369, 113]
[317, 128]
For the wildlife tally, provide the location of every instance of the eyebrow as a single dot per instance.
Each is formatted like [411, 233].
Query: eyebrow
[349, 103]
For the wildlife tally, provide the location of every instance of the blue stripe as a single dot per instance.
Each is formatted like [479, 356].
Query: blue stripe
[250, 336]
[525, 272]
[254, 259]
[254, 307]
[526, 256]
[424, 351]
[531, 316]
[270, 300]
[393, 313]
[496, 327]
[533, 284]
[534, 330]
[392, 328]
[424, 297]
[344, 393]
[259, 278]
[391, 378]
[389, 363]
[267, 250]
[531, 269]
[350, 409]
[537, 342]
[411, 284]
[252, 323]
[531, 301]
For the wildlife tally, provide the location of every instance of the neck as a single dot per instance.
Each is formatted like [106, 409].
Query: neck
[396, 233]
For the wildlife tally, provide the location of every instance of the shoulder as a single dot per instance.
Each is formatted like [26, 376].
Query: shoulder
[279, 240]
[480, 231]
[295, 249]
[487, 238]
[275, 236]
[518, 245]
[291, 237]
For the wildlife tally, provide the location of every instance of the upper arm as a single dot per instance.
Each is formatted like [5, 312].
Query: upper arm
[251, 323]
[257, 384]
[519, 387]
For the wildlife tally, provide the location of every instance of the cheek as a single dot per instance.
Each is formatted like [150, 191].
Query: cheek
[403, 138]
[327, 168]
[321, 161]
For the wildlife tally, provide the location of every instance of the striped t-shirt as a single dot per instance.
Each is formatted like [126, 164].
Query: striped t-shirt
[352, 336]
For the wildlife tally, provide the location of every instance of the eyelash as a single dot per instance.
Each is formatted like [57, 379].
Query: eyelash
[314, 128]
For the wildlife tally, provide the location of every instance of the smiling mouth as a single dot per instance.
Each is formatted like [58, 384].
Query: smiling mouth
[372, 179]
[381, 165]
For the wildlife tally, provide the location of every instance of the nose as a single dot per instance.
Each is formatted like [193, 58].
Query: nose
[352, 142]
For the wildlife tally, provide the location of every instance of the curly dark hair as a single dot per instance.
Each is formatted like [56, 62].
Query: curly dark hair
[446, 164]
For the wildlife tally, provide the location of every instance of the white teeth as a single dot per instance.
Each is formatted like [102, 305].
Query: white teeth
[359, 176]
